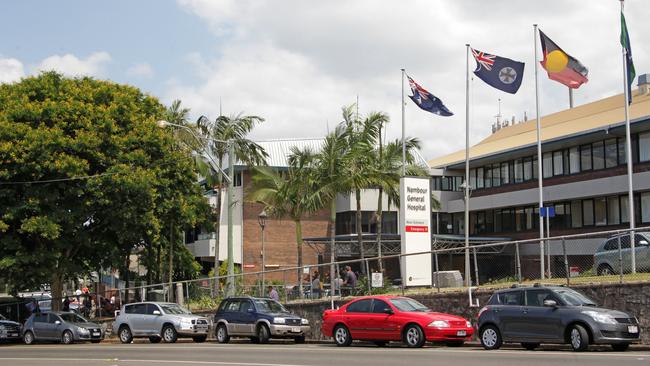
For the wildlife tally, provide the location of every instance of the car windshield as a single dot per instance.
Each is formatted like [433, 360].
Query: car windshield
[174, 309]
[408, 305]
[574, 298]
[72, 318]
[270, 306]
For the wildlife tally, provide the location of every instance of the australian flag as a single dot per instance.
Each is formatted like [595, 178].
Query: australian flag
[500, 72]
[426, 100]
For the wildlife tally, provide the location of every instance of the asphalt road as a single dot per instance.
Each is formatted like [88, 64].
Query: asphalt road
[287, 354]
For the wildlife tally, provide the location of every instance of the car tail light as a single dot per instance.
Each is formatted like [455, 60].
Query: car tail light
[483, 309]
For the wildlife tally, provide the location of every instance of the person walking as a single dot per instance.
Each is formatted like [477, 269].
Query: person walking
[316, 286]
[66, 304]
[273, 294]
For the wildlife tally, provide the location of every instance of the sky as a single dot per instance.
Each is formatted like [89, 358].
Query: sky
[297, 62]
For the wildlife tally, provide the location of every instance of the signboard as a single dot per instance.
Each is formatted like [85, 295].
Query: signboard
[377, 279]
[415, 230]
[547, 211]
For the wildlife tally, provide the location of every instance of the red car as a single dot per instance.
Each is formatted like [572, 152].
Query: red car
[393, 318]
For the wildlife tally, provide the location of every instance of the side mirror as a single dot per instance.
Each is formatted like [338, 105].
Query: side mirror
[389, 311]
[550, 303]
[156, 312]
[57, 322]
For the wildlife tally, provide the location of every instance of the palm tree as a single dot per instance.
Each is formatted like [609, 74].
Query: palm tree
[293, 195]
[233, 129]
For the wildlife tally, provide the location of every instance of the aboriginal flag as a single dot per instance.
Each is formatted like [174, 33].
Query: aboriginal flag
[561, 66]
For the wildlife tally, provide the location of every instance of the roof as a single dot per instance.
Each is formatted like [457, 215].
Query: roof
[582, 119]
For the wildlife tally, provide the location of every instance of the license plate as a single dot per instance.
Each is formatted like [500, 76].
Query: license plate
[461, 333]
[295, 329]
[97, 334]
[632, 329]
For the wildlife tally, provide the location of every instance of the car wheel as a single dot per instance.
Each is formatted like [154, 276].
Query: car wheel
[28, 337]
[155, 339]
[299, 340]
[342, 336]
[67, 337]
[200, 339]
[579, 338]
[169, 334]
[222, 334]
[455, 343]
[605, 270]
[380, 343]
[530, 346]
[413, 336]
[125, 334]
[491, 337]
[263, 333]
[620, 347]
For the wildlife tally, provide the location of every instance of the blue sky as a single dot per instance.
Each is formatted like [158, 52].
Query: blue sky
[297, 62]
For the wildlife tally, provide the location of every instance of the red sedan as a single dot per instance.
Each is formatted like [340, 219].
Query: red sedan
[392, 318]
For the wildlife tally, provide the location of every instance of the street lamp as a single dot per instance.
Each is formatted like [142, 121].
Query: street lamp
[230, 177]
[261, 219]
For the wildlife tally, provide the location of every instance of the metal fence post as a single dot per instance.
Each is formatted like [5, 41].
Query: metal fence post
[566, 263]
[368, 277]
[620, 260]
[437, 271]
[475, 268]
[518, 261]
[284, 281]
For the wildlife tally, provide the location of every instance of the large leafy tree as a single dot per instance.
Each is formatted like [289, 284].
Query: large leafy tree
[85, 178]
[292, 194]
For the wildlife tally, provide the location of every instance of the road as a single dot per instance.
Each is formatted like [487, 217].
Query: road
[287, 354]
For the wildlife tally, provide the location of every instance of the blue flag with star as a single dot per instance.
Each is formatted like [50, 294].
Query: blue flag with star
[499, 72]
[426, 100]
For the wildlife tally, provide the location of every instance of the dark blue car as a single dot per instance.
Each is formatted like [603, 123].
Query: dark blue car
[258, 319]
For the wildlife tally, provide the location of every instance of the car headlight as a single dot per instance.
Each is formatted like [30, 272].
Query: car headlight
[304, 321]
[279, 320]
[469, 324]
[83, 331]
[439, 324]
[600, 317]
[186, 323]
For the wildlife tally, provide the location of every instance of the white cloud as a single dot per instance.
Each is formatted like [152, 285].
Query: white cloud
[71, 65]
[143, 70]
[297, 62]
[11, 70]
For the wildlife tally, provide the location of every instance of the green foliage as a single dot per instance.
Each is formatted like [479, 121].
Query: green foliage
[104, 179]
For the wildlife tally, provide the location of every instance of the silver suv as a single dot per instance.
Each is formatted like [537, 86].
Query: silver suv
[159, 321]
[606, 259]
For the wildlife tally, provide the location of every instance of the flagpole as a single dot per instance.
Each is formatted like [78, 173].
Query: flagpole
[539, 161]
[403, 128]
[628, 148]
[570, 97]
[468, 281]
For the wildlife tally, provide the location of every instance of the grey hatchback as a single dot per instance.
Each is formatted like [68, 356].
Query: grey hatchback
[64, 327]
[550, 314]
[606, 259]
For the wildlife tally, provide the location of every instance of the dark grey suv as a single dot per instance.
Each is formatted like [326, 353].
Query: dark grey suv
[549, 314]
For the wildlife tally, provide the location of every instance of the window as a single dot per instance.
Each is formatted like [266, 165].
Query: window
[479, 178]
[40, 318]
[622, 155]
[644, 146]
[528, 169]
[530, 218]
[380, 306]
[496, 175]
[136, 309]
[537, 297]
[645, 207]
[511, 298]
[472, 178]
[547, 165]
[574, 160]
[585, 157]
[505, 173]
[598, 152]
[361, 306]
[625, 209]
[613, 214]
[558, 168]
[238, 179]
[611, 153]
[52, 318]
[612, 244]
[233, 306]
[535, 170]
[497, 221]
[587, 212]
[576, 214]
[519, 171]
[488, 176]
[520, 219]
[246, 306]
[600, 211]
[153, 307]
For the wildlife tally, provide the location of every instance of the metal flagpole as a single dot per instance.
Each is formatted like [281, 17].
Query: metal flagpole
[403, 128]
[570, 97]
[539, 162]
[468, 281]
[628, 148]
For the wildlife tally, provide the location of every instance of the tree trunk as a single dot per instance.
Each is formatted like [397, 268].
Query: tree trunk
[171, 262]
[379, 218]
[56, 288]
[150, 262]
[359, 231]
[126, 278]
[159, 263]
[299, 248]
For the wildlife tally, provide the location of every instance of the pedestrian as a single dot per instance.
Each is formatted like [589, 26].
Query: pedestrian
[316, 285]
[350, 277]
[66, 304]
[273, 294]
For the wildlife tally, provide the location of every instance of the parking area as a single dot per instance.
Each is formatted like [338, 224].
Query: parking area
[284, 354]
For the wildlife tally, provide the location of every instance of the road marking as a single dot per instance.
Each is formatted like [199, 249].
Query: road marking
[50, 359]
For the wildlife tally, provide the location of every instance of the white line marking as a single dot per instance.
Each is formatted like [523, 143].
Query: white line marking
[147, 361]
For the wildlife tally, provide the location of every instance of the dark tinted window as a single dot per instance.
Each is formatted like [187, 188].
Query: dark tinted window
[246, 306]
[40, 318]
[511, 298]
[361, 306]
[494, 300]
[537, 297]
[232, 305]
[612, 244]
[52, 318]
[136, 309]
[379, 306]
[150, 308]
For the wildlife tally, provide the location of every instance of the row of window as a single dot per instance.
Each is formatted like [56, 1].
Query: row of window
[346, 222]
[597, 211]
[597, 155]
